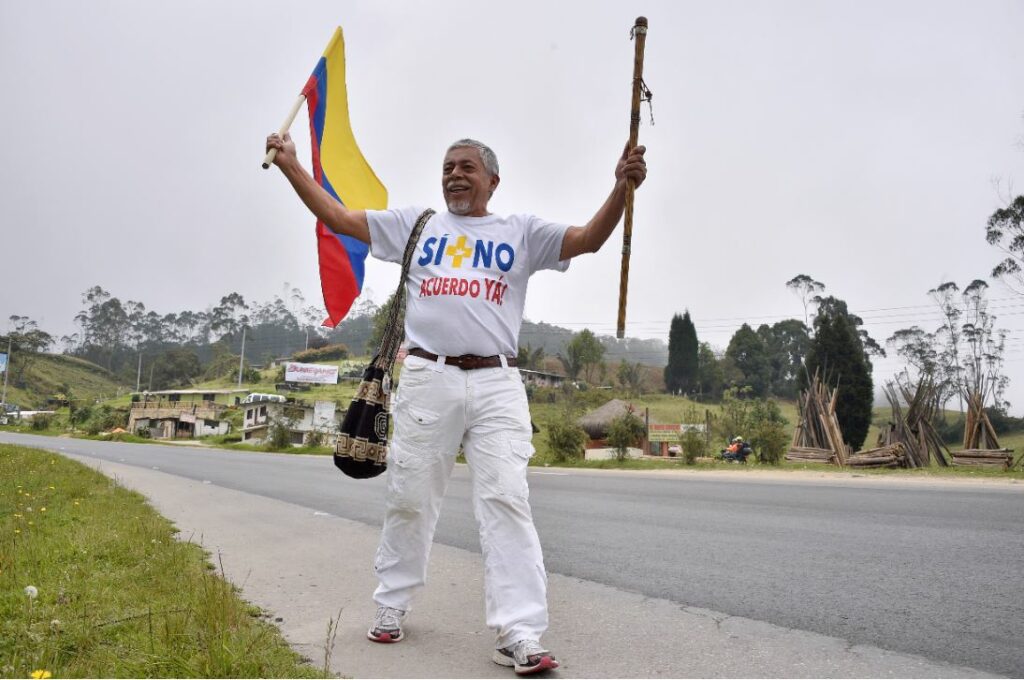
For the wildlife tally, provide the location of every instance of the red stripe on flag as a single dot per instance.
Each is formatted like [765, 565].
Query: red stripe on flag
[337, 280]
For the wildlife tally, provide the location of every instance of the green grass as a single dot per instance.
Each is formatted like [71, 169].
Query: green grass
[44, 377]
[118, 596]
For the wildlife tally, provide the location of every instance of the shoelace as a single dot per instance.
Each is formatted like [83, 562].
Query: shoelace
[524, 649]
[389, 618]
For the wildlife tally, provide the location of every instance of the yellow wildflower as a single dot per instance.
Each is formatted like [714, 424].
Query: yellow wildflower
[42, 509]
[42, 674]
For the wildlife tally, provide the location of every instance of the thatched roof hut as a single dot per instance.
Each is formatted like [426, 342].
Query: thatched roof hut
[596, 423]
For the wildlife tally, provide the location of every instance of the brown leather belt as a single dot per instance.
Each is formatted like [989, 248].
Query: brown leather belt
[467, 362]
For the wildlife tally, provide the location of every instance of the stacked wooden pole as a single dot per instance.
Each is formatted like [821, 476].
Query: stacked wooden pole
[978, 431]
[891, 456]
[914, 429]
[984, 458]
[817, 437]
[981, 445]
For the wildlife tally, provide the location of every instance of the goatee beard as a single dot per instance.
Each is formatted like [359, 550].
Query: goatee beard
[459, 207]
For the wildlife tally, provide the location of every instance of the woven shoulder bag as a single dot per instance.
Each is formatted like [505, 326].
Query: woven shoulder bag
[362, 447]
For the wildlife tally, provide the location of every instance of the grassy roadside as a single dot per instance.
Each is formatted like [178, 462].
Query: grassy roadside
[113, 594]
[544, 457]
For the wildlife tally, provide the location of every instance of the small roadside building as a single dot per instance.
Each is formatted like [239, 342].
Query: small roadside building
[180, 414]
[305, 423]
[596, 424]
[541, 378]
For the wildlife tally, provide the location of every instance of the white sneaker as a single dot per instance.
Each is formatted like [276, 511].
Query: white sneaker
[526, 656]
[387, 625]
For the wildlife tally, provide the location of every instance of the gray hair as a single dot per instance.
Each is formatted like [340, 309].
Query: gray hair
[486, 154]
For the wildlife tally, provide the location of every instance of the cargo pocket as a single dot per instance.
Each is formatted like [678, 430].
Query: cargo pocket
[406, 491]
[415, 424]
[513, 478]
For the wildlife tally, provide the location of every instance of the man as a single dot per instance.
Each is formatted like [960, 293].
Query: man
[459, 385]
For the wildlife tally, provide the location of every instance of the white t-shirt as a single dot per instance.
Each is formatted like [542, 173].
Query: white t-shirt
[467, 280]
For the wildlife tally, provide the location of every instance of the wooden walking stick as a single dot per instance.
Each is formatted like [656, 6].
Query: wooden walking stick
[640, 93]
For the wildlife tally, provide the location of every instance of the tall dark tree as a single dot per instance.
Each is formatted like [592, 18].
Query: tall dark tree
[681, 373]
[786, 344]
[838, 352]
[747, 351]
[710, 372]
[1005, 231]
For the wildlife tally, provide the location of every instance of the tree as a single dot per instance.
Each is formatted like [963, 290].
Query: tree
[747, 351]
[631, 377]
[27, 341]
[583, 353]
[710, 378]
[837, 351]
[806, 289]
[175, 368]
[624, 432]
[1005, 231]
[786, 344]
[228, 317]
[531, 358]
[984, 347]
[683, 348]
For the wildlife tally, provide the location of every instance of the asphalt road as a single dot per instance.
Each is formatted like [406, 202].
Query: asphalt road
[933, 570]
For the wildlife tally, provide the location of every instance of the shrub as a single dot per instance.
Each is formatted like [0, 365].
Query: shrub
[624, 432]
[769, 435]
[315, 439]
[280, 437]
[693, 442]
[566, 439]
[101, 418]
[42, 421]
[326, 353]
[735, 420]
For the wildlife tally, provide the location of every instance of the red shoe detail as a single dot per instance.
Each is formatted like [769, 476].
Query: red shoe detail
[546, 663]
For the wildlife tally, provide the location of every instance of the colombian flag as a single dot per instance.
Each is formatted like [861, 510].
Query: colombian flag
[339, 167]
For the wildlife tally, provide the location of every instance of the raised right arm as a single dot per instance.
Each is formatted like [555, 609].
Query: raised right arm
[332, 213]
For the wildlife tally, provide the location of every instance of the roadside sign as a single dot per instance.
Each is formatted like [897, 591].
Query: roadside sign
[670, 433]
[311, 373]
[3, 362]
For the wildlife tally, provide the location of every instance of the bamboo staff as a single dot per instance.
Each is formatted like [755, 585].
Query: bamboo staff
[269, 158]
[639, 35]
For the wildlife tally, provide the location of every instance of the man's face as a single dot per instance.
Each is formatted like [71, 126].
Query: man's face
[466, 183]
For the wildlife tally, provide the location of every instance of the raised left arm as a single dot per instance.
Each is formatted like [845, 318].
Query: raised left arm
[590, 238]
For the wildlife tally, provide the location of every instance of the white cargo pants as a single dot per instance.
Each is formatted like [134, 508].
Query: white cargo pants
[437, 408]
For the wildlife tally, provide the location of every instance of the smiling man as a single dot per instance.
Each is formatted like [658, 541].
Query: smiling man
[459, 385]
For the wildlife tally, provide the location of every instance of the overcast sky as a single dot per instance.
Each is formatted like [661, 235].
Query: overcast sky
[861, 143]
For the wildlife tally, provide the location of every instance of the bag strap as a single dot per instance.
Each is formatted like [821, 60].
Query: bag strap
[394, 331]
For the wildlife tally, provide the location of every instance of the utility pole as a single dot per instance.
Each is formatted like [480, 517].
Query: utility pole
[307, 337]
[7, 371]
[241, 358]
[138, 374]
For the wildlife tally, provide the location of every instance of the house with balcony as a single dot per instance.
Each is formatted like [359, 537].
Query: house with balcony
[306, 423]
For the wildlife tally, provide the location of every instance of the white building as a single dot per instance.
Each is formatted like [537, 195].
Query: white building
[303, 421]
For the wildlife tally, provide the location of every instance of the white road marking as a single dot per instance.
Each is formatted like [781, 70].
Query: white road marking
[557, 474]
